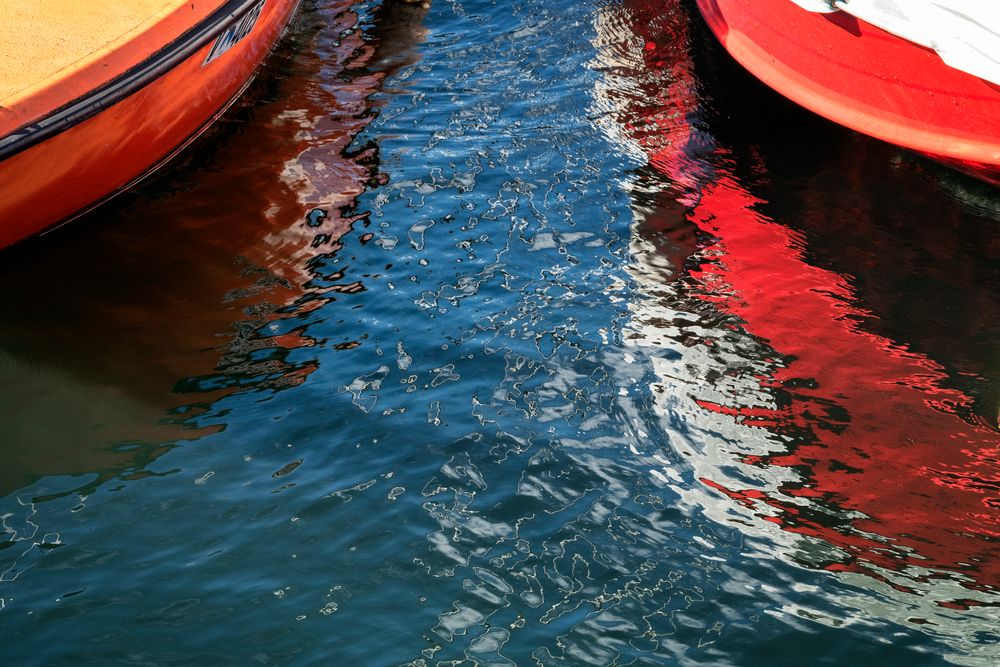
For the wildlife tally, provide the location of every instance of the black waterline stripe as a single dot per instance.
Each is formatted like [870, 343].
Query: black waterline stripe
[125, 84]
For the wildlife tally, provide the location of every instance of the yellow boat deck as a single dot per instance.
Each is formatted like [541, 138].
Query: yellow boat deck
[45, 40]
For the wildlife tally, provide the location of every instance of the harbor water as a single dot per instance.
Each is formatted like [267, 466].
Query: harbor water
[508, 333]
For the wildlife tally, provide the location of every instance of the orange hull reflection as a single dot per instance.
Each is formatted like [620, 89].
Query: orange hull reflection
[135, 319]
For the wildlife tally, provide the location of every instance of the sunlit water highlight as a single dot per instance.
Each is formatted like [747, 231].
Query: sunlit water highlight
[506, 333]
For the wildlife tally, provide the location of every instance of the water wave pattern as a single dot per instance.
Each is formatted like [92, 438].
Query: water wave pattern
[484, 444]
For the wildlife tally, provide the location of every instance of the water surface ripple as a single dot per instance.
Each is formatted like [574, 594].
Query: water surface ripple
[508, 333]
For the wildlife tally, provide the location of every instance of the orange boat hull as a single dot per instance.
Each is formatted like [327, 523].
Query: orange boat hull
[74, 169]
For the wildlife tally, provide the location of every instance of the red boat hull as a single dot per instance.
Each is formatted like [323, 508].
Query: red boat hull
[73, 170]
[865, 78]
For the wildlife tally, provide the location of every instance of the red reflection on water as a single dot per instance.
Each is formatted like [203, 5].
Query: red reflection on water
[873, 430]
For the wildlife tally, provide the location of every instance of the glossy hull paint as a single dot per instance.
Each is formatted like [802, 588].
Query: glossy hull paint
[865, 78]
[79, 164]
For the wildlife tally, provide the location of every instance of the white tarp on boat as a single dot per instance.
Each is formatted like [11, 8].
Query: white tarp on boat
[965, 33]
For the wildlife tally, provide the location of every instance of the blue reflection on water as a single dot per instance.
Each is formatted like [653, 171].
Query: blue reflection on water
[474, 466]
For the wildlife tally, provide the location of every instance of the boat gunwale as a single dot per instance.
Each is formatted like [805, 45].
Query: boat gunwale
[126, 83]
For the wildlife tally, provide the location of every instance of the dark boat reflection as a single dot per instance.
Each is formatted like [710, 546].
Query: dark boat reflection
[845, 346]
[119, 329]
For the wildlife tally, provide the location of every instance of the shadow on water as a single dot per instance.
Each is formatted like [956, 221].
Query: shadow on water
[121, 327]
[844, 336]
